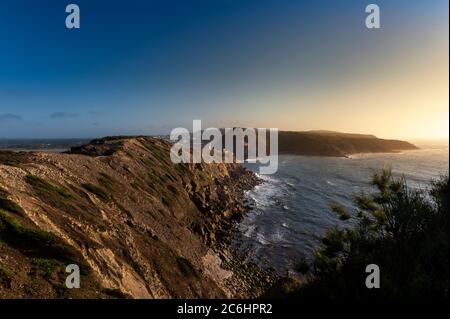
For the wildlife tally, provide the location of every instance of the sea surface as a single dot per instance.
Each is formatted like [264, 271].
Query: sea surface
[47, 145]
[291, 208]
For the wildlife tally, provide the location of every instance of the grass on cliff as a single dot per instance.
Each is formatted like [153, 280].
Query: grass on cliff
[45, 188]
[158, 151]
[3, 193]
[186, 267]
[5, 276]
[12, 158]
[106, 181]
[55, 196]
[165, 201]
[9, 205]
[96, 190]
[58, 197]
[46, 267]
[31, 239]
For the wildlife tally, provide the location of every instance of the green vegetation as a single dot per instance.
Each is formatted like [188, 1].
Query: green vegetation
[181, 168]
[405, 232]
[150, 183]
[5, 276]
[9, 205]
[60, 198]
[45, 188]
[171, 177]
[186, 267]
[35, 241]
[158, 152]
[53, 195]
[45, 266]
[96, 190]
[10, 224]
[3, 193]
[12, 158]
[165, 201]
[172, 189]
[106, 181]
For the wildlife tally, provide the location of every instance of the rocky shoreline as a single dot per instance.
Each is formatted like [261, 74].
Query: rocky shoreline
[223, 214]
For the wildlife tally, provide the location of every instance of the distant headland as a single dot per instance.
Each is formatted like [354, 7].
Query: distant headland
[329, 143]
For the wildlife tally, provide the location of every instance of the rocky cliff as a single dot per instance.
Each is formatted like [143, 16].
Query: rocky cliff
[137, 225]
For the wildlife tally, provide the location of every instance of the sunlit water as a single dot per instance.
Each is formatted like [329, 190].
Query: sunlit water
[291, 208]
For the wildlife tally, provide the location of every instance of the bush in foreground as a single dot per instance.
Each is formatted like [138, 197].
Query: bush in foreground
[405, 232]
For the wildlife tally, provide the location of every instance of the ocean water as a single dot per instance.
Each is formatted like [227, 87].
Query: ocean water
[291, 208]
[48, 145]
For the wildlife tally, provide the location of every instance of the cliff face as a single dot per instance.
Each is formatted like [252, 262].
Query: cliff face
[137, 224]
[324, 143]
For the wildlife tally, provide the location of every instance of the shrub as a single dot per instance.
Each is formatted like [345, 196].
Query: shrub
[96, 190]
[106, 181]
[5, 277]
[10, 206]
[33, 239]
[46, 266]
[405, 232]
[165, 201]
[45, 188]
[186, 267]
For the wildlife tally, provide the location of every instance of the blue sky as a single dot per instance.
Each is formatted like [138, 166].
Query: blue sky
[145, 67]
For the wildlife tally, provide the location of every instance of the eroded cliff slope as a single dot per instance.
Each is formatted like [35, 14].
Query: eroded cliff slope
[137, 224]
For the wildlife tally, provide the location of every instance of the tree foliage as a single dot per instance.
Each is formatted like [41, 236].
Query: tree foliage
[403, 231]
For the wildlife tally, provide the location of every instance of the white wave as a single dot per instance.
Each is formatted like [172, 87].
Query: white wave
[261, 239]
[249, 231]
[277, 236]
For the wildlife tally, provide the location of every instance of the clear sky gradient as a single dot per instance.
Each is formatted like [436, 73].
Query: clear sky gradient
[145, 67]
